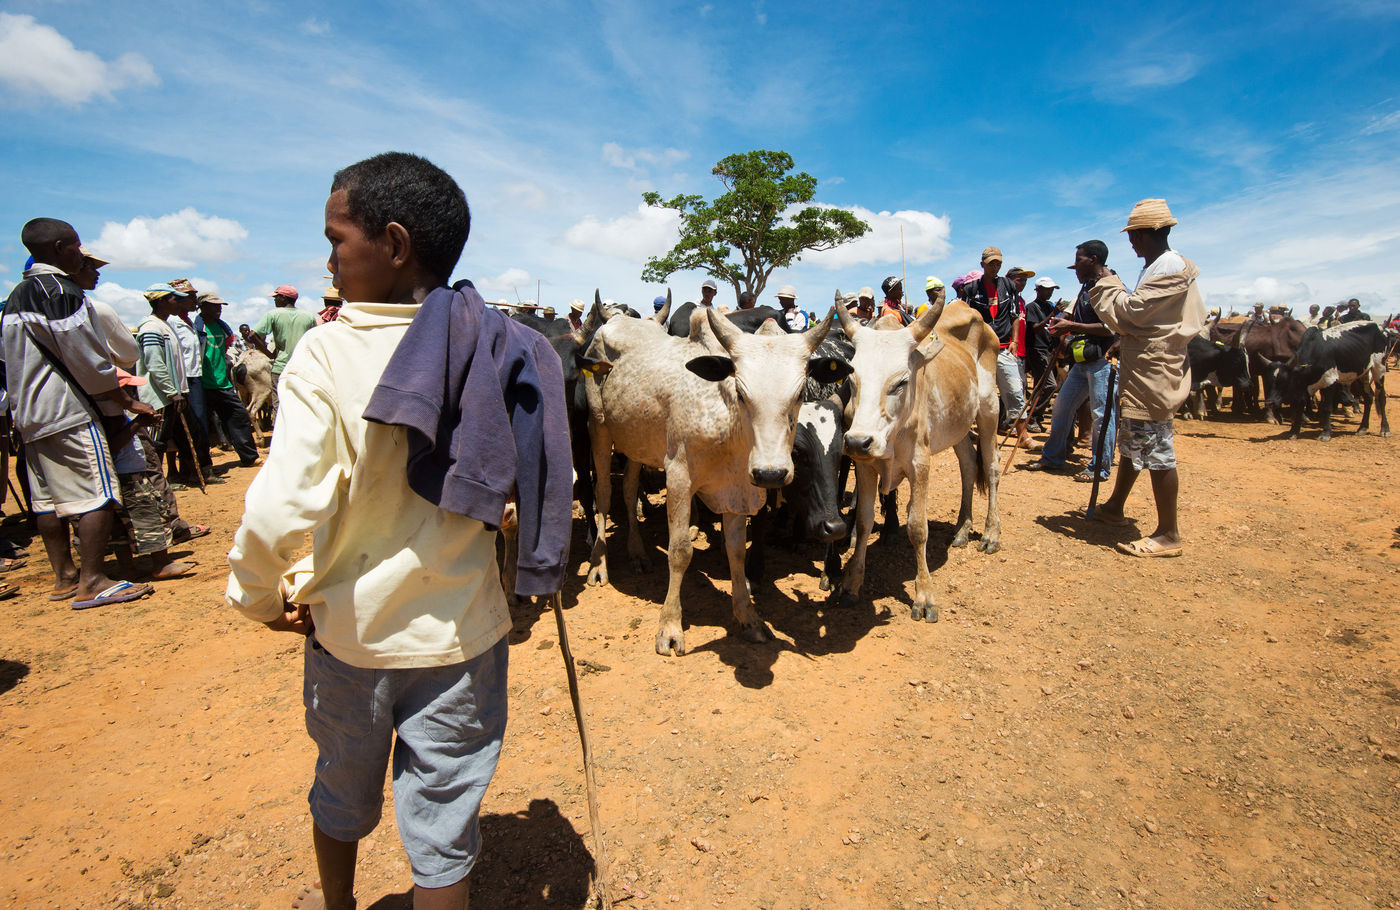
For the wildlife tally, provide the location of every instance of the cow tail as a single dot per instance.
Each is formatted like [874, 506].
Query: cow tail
[980, 478]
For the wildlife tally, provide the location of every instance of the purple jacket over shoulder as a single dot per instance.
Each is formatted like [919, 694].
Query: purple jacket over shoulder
[482, 397]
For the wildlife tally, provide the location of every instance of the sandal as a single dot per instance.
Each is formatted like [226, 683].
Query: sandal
[8, 591]
[7, 565]
[1147, 548]
[189, 533]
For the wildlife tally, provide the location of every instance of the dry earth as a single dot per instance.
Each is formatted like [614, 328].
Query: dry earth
[1079, 729]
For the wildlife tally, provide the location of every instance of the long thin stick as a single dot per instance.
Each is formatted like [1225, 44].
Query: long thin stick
[1097, 464]
[198, 472]
[22, 500]
[600, 863]
[904, 271]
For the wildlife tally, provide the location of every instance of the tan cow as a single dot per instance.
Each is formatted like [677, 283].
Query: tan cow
[255, 388]
[717, 411]
[914, 395]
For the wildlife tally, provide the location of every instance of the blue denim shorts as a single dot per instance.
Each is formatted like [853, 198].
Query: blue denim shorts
[1146, 444]
[449, 723]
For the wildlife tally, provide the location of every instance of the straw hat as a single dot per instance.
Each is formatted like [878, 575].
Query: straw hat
[1149, 215]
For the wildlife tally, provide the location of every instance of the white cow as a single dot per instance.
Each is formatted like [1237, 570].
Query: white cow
[914, 395]
[717, 412]
[255, 388]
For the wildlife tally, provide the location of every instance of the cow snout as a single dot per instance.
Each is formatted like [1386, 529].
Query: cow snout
[831, 529]
[771, 478]
[857, 445]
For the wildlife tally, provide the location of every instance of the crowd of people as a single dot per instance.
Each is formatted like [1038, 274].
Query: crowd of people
[107, 422]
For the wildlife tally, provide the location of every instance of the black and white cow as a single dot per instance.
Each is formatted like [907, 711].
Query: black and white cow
[1214, 366]
[1330, 359]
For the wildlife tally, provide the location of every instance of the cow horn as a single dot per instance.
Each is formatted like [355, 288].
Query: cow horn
[595, 316]
[925, 323]
[817, 333]
[664, 314]
[727, 332]
[848, 325]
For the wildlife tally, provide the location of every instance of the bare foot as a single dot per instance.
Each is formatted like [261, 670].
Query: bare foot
[172, 570]
[310, 899]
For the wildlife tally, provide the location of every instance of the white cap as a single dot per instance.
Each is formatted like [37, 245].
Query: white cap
[1046, 282]
[709, 283]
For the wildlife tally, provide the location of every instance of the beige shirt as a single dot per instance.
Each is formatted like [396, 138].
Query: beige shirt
[391, 580]
[1156, 322]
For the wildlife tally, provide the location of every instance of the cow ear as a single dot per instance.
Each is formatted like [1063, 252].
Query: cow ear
[826, 370]
[587, 364]
[926, 352]
[711, 367]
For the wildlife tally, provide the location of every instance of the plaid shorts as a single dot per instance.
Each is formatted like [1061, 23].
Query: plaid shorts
[1147, 444]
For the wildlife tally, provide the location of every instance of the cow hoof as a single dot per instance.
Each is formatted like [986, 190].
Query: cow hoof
[1325, 437]
[926, 612]
[694, 533]
[959, 540]
[825, 583]
[846, 599]
[670, 644]
[1385, 434]
[598, 575]
[988, 546]
[641, 565]
[758, 633]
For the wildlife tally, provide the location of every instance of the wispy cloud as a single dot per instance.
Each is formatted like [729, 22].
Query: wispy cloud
[38, 64]
[1083, 190]
[175, 241]
[1382, 124]
[315, 27]
[633, 159]
[640, 234]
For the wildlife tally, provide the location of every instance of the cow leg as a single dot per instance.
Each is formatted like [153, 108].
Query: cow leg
[755, 561]
[1364, 386]
[923, 607]
[854, 573]
[831, 565]
[636, 548]
[967, 471]
[670, 638]
[602, 501]
[1329, 401]
[990, 477]
[750, 626]
[1380, 405]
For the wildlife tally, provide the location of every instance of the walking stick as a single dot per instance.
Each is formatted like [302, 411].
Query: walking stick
[198, 472]
[599, 859]
[1097, 464]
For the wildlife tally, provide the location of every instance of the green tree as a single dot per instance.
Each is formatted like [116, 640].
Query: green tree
[743, 236]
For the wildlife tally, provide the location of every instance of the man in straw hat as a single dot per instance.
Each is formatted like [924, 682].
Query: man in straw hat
[1155, 322]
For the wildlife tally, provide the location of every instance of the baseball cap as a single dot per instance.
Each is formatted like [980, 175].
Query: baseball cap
[1046, 282]
[866, 293]
[97, 261]
[788, 290]
[990, 254]
[889, 283]
[285, 290]
[1018, 272]
[158, 290]
[207, 297]
[709, 283]
[658, 302]
[182, 286]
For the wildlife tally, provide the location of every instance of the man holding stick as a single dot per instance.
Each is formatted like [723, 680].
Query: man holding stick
[1155, 322]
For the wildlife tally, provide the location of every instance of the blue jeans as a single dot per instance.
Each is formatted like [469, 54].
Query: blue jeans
[1085, 380]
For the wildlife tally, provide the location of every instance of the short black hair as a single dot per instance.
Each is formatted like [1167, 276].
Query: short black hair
[1095, 248]
[39, 234]
[410, 190]
[747, 299]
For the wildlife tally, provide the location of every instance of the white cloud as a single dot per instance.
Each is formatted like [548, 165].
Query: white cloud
[1082, 190]
[1265, 289]
[617, 156]
[1166, 70]
[924, 239]
[129, 304]
[174, 241]
[527, 193]
[40, 65]
[1382, 124]
[510, 282]
[315, 27]
[649, 231]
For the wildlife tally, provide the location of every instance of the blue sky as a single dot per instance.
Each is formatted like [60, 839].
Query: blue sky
[203, 144]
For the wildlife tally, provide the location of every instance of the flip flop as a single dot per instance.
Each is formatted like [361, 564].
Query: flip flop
[119, 593]
[64, 594]
[7, 565]
[190, 533]
[8, 591]
[1088, 477]
[1147, 548]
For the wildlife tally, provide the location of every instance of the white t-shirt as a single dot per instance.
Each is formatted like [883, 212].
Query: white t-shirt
[191, 349]
[1169, 263]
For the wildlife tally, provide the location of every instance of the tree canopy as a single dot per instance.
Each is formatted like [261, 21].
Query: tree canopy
[744, 235]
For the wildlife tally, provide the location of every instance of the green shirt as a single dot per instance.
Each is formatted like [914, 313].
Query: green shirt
[216, 374]
[286, 325]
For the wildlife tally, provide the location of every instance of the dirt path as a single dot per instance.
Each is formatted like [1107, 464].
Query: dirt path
[1079, 729]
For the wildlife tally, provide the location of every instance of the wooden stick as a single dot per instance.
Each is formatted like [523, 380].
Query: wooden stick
[600, 863]
[1096, 462]
[198, 472]
[904, 271]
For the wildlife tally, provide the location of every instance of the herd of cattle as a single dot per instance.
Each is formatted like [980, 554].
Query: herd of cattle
[754, 420]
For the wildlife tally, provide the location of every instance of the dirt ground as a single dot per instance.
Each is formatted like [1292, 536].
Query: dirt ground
[1080, 728]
